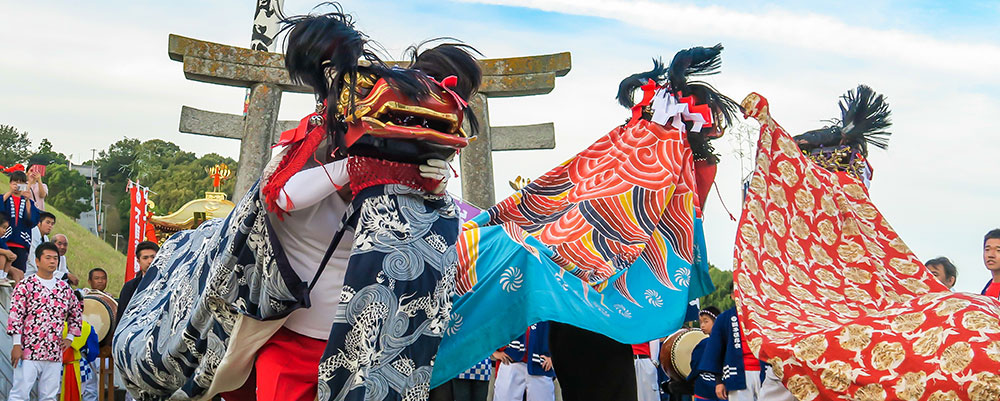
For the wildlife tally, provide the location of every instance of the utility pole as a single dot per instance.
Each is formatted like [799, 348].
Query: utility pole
[93, 188]
[100, 209]
[93, 155]
[117, 237]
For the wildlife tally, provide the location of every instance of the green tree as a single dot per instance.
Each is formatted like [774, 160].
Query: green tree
[46, 156]
[68, 190]
[117, 163]
[175, 176]
[15, 146]
[722, 296]
[187, 181]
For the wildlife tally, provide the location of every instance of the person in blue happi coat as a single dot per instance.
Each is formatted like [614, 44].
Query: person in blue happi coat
[525, 371]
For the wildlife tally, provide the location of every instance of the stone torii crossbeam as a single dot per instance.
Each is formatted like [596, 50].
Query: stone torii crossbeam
[265, 75]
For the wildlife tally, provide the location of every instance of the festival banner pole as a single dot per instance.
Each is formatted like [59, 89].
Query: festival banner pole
[266, 17]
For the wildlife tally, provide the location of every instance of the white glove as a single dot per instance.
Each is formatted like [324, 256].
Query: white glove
[437, 169]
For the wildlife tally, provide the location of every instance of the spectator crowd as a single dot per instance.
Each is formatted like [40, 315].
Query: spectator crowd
[46, 321]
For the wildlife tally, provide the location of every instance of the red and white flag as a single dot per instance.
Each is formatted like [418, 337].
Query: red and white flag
[138, 218]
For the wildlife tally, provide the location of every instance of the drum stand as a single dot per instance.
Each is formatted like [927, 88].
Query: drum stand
[106, 377]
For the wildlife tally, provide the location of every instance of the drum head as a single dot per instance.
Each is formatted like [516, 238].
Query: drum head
[99, 310]
[675, 355]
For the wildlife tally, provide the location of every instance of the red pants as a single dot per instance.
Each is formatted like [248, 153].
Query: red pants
[287, 368]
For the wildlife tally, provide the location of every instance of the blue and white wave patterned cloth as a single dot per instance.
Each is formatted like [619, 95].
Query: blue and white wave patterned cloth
[393, 312]
[396, 298]
[176, 329]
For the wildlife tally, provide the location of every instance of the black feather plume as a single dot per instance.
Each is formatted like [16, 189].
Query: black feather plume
[865, 117]
[694, 62]
[626, 89]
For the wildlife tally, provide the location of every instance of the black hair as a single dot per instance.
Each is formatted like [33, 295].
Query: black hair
[45, 246]
[4, 219]
[45, 215]
[18, 176]
[993, 234]
[90, 274]
[949, 268]
[323, 50]
[449, 59]
[709, 310]
[145, 245]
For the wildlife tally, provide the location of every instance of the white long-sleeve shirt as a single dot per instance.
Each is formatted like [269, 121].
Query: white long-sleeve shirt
[30, 267]
[314, 216]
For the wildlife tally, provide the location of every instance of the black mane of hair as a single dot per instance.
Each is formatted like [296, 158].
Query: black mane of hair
[695, 61]
[722, 106]
[315, 42]
[318, 42]
[451, 59]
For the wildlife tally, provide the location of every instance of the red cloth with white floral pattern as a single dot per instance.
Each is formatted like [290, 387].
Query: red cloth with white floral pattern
[837, 303]
[38, 314]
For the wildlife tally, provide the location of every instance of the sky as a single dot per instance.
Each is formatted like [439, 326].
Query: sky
[86, 74]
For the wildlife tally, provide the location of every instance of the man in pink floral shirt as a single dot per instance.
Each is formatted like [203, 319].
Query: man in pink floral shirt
[41, 304]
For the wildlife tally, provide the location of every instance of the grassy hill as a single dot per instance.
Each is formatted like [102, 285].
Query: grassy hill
[86, 250]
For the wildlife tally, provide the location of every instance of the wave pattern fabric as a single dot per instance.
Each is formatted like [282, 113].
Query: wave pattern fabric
[608, 241]
[836, 301]
[177, 327]
[180, 326]
[397, 296]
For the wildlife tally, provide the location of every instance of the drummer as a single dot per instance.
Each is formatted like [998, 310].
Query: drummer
[97, 278]
[706, 319]
[703, 382]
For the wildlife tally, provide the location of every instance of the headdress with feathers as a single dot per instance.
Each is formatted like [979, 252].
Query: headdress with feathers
[864, 118]
[696, 61]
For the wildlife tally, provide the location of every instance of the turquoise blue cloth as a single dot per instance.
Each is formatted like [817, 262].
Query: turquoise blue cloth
[520, 285]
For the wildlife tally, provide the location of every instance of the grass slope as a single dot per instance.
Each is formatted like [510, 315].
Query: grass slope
[86, 250]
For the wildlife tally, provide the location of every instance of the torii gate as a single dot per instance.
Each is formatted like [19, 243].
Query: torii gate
[265, 75]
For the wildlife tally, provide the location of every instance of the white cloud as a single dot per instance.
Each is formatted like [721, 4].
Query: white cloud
[777, 27]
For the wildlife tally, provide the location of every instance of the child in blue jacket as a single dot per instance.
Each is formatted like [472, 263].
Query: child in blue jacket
[22, 215]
